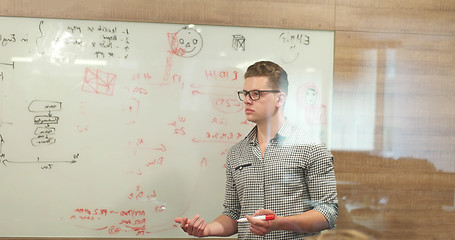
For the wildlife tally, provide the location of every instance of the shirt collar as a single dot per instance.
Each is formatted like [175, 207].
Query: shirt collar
[284, 131]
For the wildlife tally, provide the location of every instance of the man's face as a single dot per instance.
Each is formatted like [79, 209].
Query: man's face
[259, 111]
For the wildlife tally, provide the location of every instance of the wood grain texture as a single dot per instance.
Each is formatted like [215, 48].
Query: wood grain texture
[408, 80]
[404, 198]
[396, 16]
[304, 14]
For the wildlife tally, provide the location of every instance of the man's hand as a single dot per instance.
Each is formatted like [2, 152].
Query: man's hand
[261, 227]
[195, 227]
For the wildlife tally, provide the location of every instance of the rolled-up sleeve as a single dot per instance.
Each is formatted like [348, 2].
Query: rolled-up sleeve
[231, 202]
[322, 183]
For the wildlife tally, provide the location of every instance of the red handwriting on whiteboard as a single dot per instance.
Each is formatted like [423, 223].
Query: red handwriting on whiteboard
[129, 220]
[178, 126]
[139, 194]
[208, 89]
[132, 109]
[148, 79]
[99, 82]
[157, 161]
[136, 90]
[228, 104]
[141, 76]
[114, 230]
[223, 136]
[213, 75]
[178, 81]
[140, 144]
[86, 214]
[175, 50]
[82, 129]
[140, 91]
[224, 153]
[219, 137]
[160, 208]
[168, 69]
[204, 162]
[124, 221]
[138, 172]
[220, 121]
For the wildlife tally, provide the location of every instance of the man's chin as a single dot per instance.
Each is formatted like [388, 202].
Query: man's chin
[251, 119]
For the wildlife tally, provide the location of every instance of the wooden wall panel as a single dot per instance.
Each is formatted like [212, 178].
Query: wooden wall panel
[303, 14]
[396, 16]
[389, 198]
[409, 80]
[389, 189]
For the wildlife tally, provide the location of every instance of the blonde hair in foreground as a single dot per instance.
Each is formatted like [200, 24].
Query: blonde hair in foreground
[342, 234]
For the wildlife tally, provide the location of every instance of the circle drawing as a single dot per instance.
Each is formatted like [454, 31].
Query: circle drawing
[188, 42]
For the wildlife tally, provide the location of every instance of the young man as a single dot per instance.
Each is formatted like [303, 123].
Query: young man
[276, 170]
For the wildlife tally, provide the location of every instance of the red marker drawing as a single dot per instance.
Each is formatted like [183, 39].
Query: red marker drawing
[260, 217]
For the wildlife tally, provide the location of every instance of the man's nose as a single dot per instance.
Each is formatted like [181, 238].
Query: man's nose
[247, 99]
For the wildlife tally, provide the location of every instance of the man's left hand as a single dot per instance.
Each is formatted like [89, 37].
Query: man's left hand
[261, 227]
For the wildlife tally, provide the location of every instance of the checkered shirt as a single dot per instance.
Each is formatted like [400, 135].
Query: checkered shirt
[294, 176]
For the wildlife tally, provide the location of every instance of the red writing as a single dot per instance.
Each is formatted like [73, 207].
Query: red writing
[158, 161]
[221, 121]
[141, 76]
[204, 162]
[228, 105]
[99, 82]
[134, 222]
[177, 79]
[139, 172]
[160, 208]
[92, 212]
[139, 90]
[178, 129]
[139, 194]
[221, 75]
[223, 136]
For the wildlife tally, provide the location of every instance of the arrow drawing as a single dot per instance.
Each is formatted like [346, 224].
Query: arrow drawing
[75, 156]
[194, 85]
[1, 145]
[47, 162]
[162, 148]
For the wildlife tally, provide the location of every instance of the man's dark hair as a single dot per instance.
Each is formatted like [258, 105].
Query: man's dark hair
[278, 78]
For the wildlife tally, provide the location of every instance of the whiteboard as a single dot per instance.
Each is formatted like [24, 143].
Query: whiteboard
[112, 129]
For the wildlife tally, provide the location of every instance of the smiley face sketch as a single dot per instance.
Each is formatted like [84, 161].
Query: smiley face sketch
[311, 96]
[188, 42]
[307, 95]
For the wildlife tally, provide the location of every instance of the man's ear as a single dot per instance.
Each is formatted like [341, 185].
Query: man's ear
[281, 98]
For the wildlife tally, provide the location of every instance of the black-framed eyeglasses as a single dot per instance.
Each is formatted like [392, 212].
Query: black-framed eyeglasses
[254, 94]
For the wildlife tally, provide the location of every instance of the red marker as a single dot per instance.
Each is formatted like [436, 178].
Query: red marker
[260, 217]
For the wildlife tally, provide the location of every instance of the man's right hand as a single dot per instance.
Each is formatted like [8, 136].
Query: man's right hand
[194, 227]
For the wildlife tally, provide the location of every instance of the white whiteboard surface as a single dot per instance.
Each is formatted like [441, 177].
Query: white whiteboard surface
[112, 129]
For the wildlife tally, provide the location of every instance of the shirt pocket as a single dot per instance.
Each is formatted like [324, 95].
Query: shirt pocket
[242, 175]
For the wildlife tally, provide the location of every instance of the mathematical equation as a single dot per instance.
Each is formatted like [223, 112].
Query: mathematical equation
[123, 220]
[101, 41]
